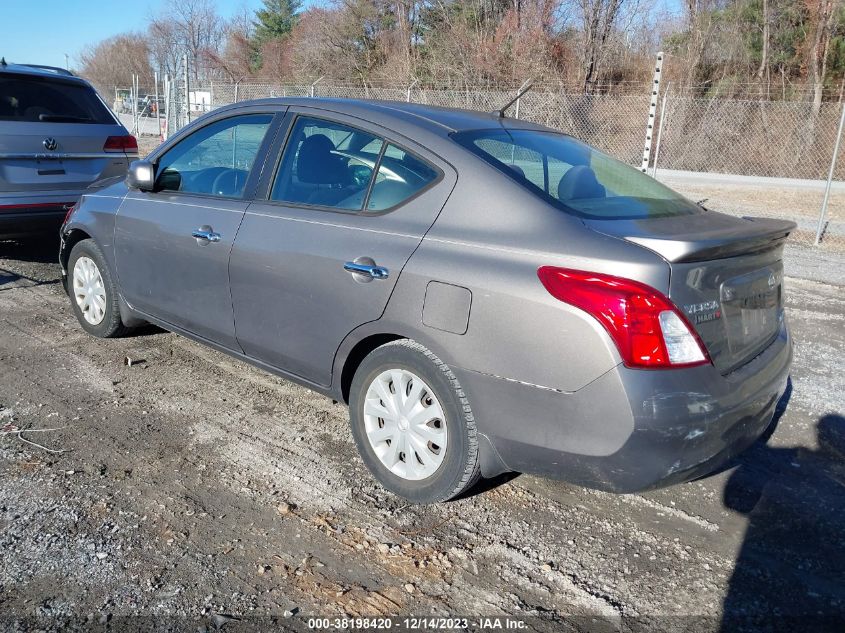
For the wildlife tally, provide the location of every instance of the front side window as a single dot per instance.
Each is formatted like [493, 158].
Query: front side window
[215, 160]
[574, 176]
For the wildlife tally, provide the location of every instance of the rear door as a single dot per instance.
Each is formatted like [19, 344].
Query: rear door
[347, 198]
[172, 245]
[56, 135]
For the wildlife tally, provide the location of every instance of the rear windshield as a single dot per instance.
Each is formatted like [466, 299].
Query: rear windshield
[574, 176]
[37, 100]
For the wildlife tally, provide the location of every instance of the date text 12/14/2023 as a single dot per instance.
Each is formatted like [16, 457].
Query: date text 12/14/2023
[412, 623]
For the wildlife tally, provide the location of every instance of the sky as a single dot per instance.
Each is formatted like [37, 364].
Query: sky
[43, 31]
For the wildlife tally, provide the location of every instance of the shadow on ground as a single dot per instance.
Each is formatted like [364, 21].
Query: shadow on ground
[16, 256]
[790, 570]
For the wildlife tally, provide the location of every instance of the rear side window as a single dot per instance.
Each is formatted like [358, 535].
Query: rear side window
[573, 176]
[401, 175]
[37, 100]
[329, 164]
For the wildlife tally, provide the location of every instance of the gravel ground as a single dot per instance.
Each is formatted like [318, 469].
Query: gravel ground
[191, 485]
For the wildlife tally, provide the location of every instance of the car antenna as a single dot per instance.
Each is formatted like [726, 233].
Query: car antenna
[522, 90]
[3, 61]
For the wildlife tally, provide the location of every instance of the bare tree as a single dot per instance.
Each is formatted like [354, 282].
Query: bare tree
[237, 60]
[599, 17]
[764, 55]
[111, 63]
[187, 27]
[821, 21]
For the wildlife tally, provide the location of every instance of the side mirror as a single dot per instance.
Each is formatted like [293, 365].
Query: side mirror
[141, 175]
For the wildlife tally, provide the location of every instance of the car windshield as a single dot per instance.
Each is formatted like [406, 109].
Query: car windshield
[573, 176]
[46, 100]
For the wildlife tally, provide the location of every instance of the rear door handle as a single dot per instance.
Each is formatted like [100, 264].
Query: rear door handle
[375, 272]
[209, 236]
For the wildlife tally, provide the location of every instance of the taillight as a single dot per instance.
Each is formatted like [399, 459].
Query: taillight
[645, 325]
[126, 143]
[70, 209]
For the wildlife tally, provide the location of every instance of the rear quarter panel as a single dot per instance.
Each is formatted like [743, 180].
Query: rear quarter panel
[491, 238]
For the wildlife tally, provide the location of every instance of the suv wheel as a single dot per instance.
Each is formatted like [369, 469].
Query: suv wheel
[93, 294]
[413, 424]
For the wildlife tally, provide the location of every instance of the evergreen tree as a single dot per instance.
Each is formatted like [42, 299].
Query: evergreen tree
[276, 19]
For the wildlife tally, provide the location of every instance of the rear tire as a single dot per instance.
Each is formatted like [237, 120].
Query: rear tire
[92, 291]
[417, 437]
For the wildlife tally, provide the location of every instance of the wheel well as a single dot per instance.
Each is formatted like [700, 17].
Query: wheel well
[359, 353]
[71, 239]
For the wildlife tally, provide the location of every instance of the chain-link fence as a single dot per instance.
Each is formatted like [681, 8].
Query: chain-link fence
[768, 158]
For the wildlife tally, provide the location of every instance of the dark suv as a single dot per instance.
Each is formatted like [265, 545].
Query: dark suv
[56, 138]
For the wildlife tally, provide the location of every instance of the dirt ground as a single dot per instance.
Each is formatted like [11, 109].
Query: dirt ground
[191, 485]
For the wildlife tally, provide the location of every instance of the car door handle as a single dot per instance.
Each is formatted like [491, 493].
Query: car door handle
[209, 236]
[376, 272]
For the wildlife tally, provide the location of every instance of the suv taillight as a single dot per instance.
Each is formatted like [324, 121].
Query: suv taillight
[70, 209]
[126, 143]
[647, 328]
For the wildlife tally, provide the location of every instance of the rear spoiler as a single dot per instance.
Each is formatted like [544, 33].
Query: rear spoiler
[745, 236]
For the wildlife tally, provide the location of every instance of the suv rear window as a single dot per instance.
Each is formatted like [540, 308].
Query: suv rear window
[573, 176]
[37, 100]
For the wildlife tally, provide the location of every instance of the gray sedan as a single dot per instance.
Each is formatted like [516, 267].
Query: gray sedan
[486, 294]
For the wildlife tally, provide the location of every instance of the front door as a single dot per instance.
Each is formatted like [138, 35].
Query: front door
[172, 245]
[321, 255]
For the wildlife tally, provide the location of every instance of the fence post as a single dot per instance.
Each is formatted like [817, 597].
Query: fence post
[187, 92]
[314, 84]
[135, 116]
[826, 201]
[660, 131]
[158, 106]
[652, 111]
[522, 90]
[408, 98]
[167, 104]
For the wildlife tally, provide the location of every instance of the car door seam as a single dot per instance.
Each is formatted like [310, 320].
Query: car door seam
[333, 225]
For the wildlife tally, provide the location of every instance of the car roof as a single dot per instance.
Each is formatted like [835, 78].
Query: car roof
[435, 118]
[37, 70]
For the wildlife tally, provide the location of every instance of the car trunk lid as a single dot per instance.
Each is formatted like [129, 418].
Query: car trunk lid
[76, 160]
[726, 276]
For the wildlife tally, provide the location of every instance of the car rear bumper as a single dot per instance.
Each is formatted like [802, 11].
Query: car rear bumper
[31, 221]
[631, 430]
[34, 213]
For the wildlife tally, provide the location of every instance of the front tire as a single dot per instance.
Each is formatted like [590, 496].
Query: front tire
[93, 293]
[412, 423]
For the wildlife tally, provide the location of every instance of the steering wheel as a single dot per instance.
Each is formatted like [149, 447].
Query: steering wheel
[360, 175]
[229, 182]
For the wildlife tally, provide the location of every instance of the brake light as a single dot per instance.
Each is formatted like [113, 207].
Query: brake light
[647, 328]
[70, 209]
[126, 143]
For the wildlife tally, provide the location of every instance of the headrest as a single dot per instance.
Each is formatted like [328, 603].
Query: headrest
[579, 183]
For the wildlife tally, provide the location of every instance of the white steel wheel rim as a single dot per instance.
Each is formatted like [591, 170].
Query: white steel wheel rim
[88, 290]
[405, 424]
